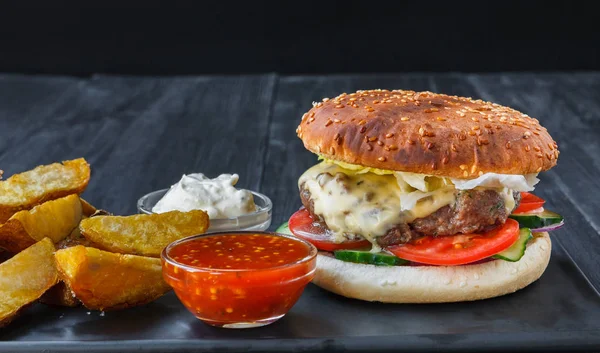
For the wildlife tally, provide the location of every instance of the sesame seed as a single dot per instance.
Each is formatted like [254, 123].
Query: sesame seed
[410, 142]
[527, 148]
[405, 118]
[376, 102]
[538, 170]
[429, 145]
[472, 133]
[363, 129]
[336, 120]
[549, 156]
[381, 159]
[473, 169]
[370, 110]
[440, 118]
[380, 143]
[465, 173]
[392, 147]
[329, 122]
[539, 155]
[332, 151]
[339, 106]
[536, 148]
[445, 160]
[369, 147]
[462, 166]
[508, 145]
[311, 120]
[372, 138]
[325, 99]
[453, 147]
[388, 135]
[475, 127]
[362, 122]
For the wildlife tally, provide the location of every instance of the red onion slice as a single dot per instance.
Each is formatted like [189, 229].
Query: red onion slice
[549, 228]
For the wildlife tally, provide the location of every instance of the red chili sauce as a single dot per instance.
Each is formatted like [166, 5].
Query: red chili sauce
[234, 278]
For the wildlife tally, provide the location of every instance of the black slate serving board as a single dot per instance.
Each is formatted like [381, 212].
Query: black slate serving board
[561, 311]
[141, 134]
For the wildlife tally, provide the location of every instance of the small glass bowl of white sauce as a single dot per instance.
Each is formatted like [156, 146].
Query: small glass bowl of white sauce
[258, 220]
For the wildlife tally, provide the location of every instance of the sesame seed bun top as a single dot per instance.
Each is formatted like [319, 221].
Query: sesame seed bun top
[427, 133]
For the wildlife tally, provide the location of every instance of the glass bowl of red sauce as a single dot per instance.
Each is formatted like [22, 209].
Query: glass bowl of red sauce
[239, 279]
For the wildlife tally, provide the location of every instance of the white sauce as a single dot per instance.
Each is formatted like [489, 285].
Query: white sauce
[218, 197]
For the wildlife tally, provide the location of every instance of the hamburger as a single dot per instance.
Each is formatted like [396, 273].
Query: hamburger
[421, 197]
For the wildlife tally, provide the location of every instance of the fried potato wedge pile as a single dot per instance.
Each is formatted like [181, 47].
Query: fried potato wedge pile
[25, 277]
[104, 262]
[25, 190]
[103, 280]
[143, 234]
[54, 219]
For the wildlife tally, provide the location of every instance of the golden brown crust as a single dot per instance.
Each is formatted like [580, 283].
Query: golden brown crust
[427, 133]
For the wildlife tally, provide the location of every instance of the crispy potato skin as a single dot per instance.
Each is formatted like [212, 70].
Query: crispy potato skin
[53, 219]
[87, 208]
[145, 235]
[26, 277]
[60, 295]
[48, 182]
[103, 280]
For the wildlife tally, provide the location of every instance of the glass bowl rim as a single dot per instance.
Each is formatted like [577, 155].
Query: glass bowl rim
[260, 209]
[164, 255]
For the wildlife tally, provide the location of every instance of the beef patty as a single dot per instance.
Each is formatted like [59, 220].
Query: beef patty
[474, 211]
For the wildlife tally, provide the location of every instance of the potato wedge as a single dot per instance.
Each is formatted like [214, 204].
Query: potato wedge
[25, 277]
[143, 234]
[60, 295]
[103, 280]
[48, 182]
[74, 239]
[53, 219]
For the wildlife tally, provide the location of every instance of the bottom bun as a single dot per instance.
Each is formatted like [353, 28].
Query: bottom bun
[434, 284]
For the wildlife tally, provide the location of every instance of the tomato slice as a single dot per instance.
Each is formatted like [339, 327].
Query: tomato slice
[304, 226]
[529, 202]
[459, 249]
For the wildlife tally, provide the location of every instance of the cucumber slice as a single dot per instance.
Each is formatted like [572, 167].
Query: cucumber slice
[517, 250]
[537, 220]
[366, 257]
[284, 229]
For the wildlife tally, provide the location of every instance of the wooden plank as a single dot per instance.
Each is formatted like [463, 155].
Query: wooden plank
[139, 134]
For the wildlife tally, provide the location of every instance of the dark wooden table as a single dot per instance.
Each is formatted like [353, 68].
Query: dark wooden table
[142, 134]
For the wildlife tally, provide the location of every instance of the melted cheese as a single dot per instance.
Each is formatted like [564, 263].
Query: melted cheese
[367, 204]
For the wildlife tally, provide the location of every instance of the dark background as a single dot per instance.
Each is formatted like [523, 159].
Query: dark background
[299, 37]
